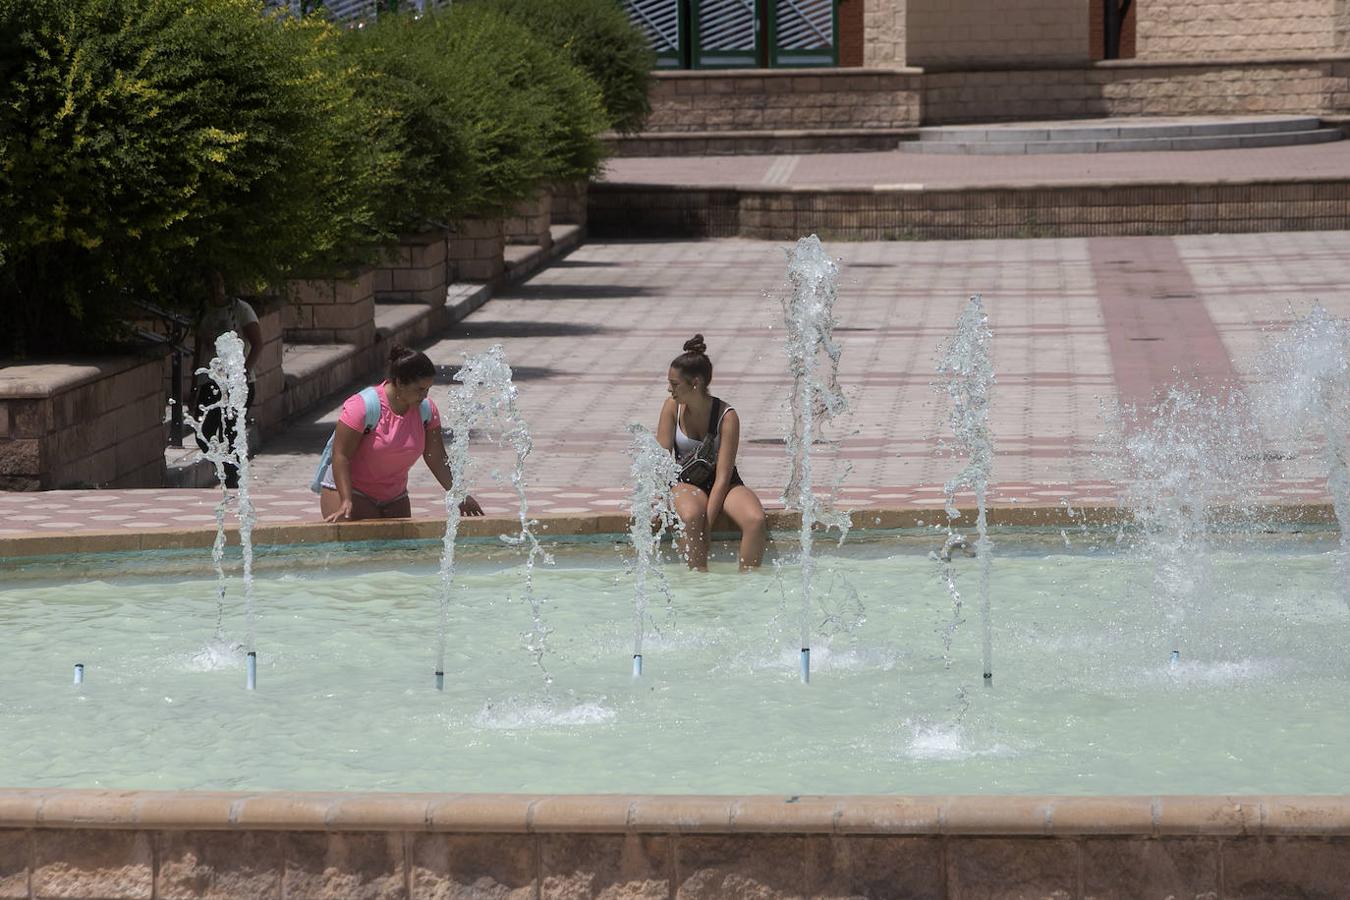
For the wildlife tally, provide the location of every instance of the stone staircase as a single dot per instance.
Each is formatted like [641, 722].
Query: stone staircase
[1121, 135]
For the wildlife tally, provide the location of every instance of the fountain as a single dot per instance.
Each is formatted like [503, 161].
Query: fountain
[815, 398]
[227, 372]
[969, 371]
[653, 503]
[485, 400]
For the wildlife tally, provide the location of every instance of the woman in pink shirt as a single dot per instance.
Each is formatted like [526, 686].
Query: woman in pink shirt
[368, 478]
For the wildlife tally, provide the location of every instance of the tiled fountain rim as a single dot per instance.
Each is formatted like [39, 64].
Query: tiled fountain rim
[584, 524]
[1046, 816]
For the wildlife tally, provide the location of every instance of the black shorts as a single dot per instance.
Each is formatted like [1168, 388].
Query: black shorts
[735, 480]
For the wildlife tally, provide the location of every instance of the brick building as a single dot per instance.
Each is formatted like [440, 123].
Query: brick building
[754, 66]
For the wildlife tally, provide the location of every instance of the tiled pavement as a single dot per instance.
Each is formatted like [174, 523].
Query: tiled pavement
[1075, 321]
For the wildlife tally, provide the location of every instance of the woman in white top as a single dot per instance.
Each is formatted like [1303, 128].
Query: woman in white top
[687, 418]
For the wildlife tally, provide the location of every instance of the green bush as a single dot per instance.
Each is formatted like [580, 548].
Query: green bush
[145, 143]
[599, 38]
[484, 112]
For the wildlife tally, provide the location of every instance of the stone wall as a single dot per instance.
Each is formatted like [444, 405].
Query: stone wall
[569, 203]
[476, 249]
[415, 271]
[332, 310]
[783, 214]
[268, 378]
[964, 32]
[529, 222]
[87, 844]
[783, 99]
[93, 423]
[1136, 88]
[884, 34]
[1232, 29]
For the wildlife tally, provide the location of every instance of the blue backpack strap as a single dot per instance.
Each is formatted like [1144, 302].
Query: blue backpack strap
[371, 398]
[425, 408]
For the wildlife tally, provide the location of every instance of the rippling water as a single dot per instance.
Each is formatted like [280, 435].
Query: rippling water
[1083, 701]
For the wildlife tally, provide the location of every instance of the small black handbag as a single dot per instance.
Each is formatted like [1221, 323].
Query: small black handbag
[699, 467]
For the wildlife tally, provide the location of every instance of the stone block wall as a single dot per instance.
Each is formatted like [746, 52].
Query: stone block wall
[415, 271]
[476, 249]
[784, 100]
[569, 203]
[884, 34]
[332, 310]
[962, 32]
[94, 423]
[268, 378]
[1137, 88]
[529, 222]
[1236, 29]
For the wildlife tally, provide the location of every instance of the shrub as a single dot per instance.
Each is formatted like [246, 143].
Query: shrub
[145, 143]
[484, 112]
[599, 38]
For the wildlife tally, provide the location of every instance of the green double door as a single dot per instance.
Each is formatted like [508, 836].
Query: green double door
[739, 34]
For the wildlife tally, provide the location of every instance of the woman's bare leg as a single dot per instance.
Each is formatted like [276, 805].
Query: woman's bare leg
[744, 508]
[692, 506]
[362, 508]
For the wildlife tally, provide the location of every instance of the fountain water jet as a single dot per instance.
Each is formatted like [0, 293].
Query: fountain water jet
[653, 502]
[485, 399]
[1306, 375]
[813, 362]
[969, 370]
[226, 370]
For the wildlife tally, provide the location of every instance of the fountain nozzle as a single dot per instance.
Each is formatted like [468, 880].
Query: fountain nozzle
[440, 681]
[79, 673]
[637, 665]
[252, 666]
[806, 665]
[1175, 658]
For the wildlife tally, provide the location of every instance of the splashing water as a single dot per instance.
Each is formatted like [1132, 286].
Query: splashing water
[813, 362]
[485, 400]
[969, 370]
[226, 370]
[653, 502]
[1179, 466]
[1306, 375]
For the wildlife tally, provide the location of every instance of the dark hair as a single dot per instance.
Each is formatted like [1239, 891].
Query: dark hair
[409, 365]
[693, 362]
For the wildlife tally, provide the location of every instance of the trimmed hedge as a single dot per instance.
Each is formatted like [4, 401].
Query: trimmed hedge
[599, 37]
[484, 113]
[146, 143]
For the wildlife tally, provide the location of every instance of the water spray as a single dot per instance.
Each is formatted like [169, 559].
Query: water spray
[969, 369]
[653, 502]
[813, 362]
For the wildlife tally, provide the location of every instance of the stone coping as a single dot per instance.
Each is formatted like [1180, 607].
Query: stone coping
[972, 187]
[1045, 816]
[38, 380]
[590, 524]
[835, 72]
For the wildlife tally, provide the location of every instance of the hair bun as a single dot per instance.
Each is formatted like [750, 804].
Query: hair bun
[695, 345]
[397, 352]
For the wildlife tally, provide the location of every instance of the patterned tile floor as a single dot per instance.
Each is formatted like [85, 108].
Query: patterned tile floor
[1077, 323]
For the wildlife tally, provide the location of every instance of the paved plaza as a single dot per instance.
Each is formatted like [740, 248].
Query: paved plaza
[1076, 322]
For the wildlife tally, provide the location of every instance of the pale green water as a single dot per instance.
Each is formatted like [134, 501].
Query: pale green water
[1083, 700]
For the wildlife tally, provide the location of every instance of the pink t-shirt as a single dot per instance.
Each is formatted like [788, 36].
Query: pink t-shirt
[384, 456]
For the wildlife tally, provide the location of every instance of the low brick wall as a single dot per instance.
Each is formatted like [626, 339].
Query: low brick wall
[1139, 88]
[188, 845]
[268, 378]
[93, 423]
[332, 310]
[784, 99]
[529, 222]
[569, 203]
[476, 249]
[643, 210]
[415, 271]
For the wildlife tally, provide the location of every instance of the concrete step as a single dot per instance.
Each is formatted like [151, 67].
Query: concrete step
[1088, 142]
